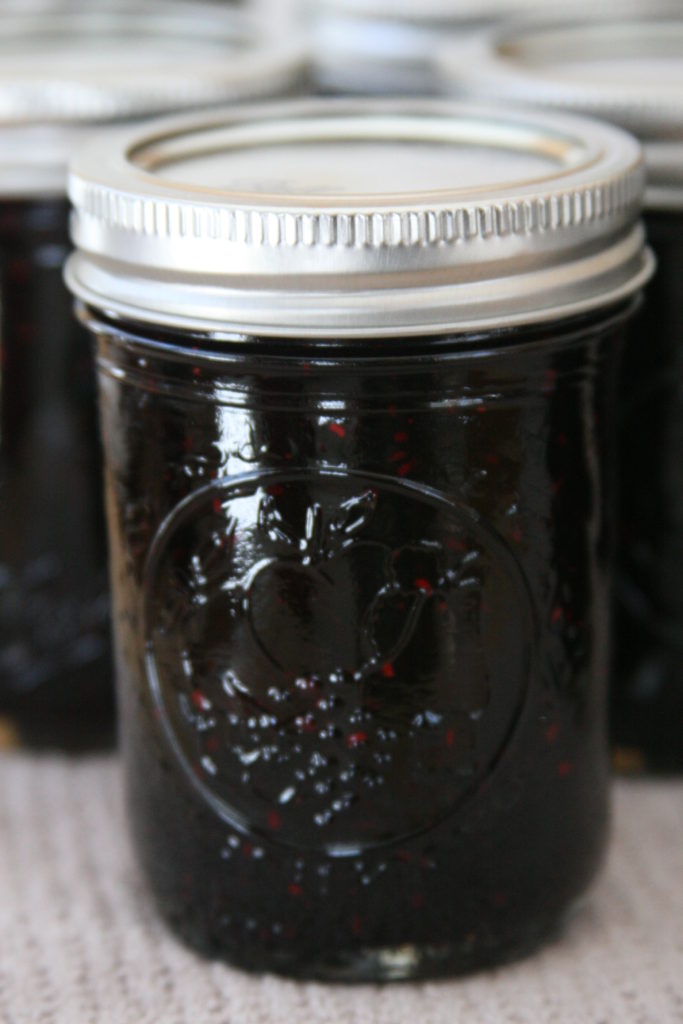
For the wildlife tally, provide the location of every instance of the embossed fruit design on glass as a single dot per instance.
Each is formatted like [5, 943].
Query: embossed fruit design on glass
[332, 609]
[360, 560]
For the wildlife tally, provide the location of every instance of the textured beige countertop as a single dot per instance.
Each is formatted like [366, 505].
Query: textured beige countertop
[81, 944]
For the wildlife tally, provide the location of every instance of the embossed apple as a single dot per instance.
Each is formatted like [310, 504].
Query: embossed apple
[306, 608]
[325, 674]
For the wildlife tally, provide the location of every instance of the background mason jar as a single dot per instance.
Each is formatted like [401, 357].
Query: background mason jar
[391, 47]
[65, 71]
[629, 72]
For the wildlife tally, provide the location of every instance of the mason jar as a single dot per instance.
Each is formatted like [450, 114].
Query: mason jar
[65, 70]
[357, 426]
[629, 72]
[391, 46]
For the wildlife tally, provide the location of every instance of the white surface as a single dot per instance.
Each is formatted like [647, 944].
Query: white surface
[81, 944]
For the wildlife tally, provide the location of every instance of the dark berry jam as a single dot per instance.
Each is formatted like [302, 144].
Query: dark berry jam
[647, 696]
[361, 610]
[54, 607]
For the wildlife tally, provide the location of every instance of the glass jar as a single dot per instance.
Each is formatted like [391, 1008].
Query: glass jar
[54, 605]
[55, 656]
[630, 72]
[357, 435]
[390, 46]
[647, 695]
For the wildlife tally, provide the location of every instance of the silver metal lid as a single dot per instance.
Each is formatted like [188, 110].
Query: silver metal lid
[389, 46]
[627, 71]
[453, 11]
[65, 68]
[355, 218]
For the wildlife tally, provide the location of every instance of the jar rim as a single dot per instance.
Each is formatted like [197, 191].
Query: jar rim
[343, 218]
[387, 47]
[628, 71]
[67, 70]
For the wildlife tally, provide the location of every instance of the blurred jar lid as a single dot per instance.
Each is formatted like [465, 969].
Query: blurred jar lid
[358, 217]
[64, 68]
[388, 46]
[626, 71]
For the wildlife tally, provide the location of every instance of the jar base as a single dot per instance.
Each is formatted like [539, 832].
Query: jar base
[412, 962]
[382, 964]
